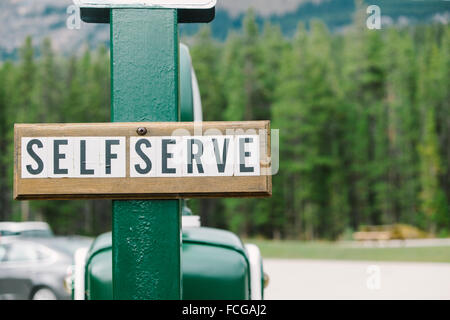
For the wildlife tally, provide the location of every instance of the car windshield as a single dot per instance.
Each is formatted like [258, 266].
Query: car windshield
[8, 233]
[30, 233]
[36, 233]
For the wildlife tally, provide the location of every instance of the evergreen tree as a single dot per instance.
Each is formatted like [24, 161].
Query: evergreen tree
[24, 101]
[363, 75]
[6, 116]
[206, 54]
[243, 94]
[403, 127]
[431, 94]
[48, 88]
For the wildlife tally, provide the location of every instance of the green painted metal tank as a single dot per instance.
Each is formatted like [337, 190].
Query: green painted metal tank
[215, 266]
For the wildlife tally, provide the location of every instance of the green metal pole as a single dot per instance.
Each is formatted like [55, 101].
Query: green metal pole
[145, 87]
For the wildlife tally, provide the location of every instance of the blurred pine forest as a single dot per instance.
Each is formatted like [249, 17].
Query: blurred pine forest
[364, 120]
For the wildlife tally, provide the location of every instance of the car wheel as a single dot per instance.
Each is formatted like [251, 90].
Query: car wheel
[44, 294]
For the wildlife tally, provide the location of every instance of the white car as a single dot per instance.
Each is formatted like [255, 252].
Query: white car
[25, 229]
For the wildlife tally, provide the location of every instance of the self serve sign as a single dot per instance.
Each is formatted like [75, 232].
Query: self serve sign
[114, 161]
[105, 157]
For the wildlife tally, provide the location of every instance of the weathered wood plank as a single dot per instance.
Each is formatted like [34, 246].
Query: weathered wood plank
[142, 188]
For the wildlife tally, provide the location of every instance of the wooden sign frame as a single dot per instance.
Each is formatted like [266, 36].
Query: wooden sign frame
[141, 188]
[171, 4]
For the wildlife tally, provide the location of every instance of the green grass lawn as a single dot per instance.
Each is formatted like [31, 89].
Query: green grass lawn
[332, 251]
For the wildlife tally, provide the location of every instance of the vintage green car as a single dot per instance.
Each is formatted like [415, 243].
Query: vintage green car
[216, 265]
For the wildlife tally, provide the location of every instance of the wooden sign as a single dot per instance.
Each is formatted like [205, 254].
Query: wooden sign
[142, 160]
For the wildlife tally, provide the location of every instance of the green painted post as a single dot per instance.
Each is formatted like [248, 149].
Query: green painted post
[145, 87]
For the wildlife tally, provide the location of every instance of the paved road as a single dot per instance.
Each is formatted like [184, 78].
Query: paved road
[308, 279]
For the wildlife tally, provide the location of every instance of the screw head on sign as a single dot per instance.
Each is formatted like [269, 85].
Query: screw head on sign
[141, 131]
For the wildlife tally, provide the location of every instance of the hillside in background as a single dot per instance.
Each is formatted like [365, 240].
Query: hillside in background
[337, 14]
[47, 18]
